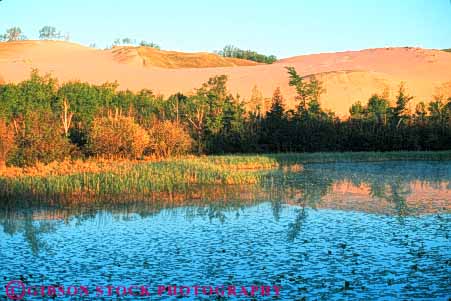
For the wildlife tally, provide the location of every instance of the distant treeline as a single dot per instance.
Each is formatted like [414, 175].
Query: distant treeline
[51, 33]
[41, 121]
[232, 51]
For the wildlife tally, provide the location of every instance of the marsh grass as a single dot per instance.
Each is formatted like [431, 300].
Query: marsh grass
[134, 179]
[172, 178]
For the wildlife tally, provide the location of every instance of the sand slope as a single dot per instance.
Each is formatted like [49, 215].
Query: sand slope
[150, 57]
[347, 76]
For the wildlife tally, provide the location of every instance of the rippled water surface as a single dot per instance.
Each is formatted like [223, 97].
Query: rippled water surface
[332, 231]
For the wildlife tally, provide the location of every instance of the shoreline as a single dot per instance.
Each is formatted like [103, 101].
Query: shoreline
[109, 179]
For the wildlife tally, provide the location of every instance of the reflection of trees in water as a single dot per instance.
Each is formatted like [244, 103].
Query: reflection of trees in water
[305, 189]
[31, 229]
[34, 220]
[388, 181]
[295, 227]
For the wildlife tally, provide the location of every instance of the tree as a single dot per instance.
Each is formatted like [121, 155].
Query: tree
[195, 114]
[14, 34]
[66, 117]
[117, 136]
[401, 111]
[308, 92]
[378, 109]
[7, 143]
[39, 139]
[168, 138]
[277, 106]
[275, 123]
[127, 41]
[149, 44]
[235, 52]
[357, 111]
[36, 93]
[256, 102]
[49, 33]
[420, 112]
[436, 109]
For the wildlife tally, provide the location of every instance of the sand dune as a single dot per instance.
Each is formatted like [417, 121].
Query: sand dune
[347, 76]
[150, 57]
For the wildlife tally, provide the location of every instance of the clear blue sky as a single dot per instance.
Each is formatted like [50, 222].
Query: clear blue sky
[283, 27]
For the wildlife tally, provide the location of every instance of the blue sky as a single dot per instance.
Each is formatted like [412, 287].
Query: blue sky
[284, 27]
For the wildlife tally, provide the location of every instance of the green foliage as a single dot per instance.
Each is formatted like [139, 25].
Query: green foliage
[127, 41]
[232, 51]
[130, 41]
[308, 92]
[275, 126]
[137, 181]
[7, 141]
[216, 121]
[39, 138]
[49, 33]
[401, 111]
[33, 94]
[13, 34]
[149, 44]
[357, 111]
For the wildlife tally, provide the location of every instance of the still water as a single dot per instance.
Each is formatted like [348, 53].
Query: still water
[330, 232]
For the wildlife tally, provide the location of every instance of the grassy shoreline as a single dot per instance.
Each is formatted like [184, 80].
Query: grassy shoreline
[101, 179]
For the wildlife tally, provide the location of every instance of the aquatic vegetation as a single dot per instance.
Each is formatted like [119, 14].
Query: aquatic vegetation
[105, 179]
[125, 179]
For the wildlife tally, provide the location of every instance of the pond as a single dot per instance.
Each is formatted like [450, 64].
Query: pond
[329, 231]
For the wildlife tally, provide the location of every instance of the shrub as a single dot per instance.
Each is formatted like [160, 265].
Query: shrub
[168, 138]
[7, 143]
[39, 138]
[117, 137]
[232, 51]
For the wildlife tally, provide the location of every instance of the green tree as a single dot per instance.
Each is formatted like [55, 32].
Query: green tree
[39, 138]
[235, 52]
[7, 141]
[149, 44]
[378, 109]
[49, 33]
[14, 34]
[401, 111]
[275, 123]
[357, 111]
[420, 112]
[307, 92]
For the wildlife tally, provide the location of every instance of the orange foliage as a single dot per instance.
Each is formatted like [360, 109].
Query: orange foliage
[169, 138]
[117, 137]
[6, 141]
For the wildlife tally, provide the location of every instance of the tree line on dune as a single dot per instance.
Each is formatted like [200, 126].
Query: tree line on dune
[235, 52]
[51, 33]
[41, 121]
